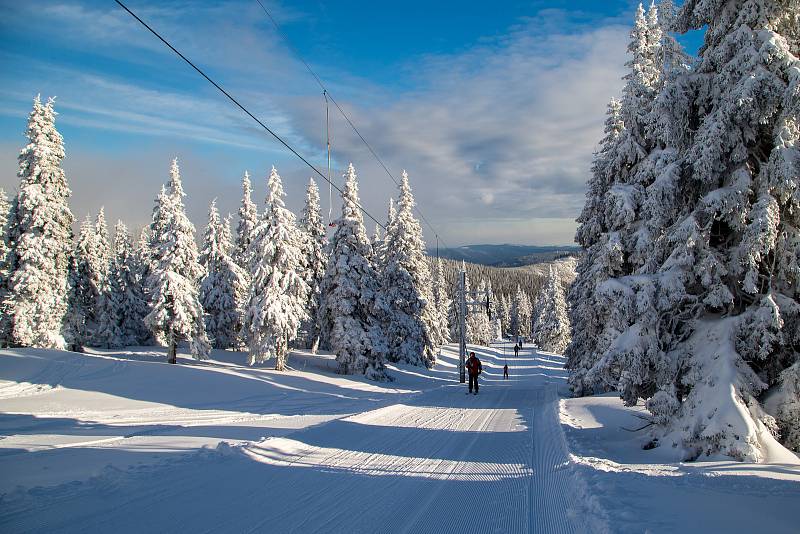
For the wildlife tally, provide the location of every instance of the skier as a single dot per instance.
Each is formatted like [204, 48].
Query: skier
[516, 349]
[505, 371]
[474, 367]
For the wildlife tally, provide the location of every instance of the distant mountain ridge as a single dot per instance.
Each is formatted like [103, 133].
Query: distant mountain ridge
[507, 255]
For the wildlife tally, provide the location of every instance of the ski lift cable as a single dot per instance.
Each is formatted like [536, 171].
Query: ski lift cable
[294, 50]
[328, 145]
[244, 109]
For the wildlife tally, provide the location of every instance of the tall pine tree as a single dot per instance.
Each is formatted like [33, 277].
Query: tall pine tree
[551, 329]
[441, 305]
[116, 324]
[175, 310]
[315, 243]
[222, 286]
[6, 216]
[41, 237]
[88, 276]
[248, 221]
[406, 287]
[278, 293]
[704, 318]
[350, 316]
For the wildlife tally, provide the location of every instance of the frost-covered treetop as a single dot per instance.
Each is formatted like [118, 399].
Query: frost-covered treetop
[178, 226]
[214, 239]
[312, 221]
[175, 185]
[40, 160]
[350, 208]
[643, 79]
[407, 231]
[392, 212]
[122, 240]
[275, 192]
[101, 234]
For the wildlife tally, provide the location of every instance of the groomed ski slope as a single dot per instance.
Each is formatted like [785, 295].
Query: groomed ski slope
[126, 443]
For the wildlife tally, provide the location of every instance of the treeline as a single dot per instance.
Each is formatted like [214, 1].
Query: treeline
[274, 283]
[688, 292]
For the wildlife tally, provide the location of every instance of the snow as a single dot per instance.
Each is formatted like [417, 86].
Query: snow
[652, 491]
[122, 441]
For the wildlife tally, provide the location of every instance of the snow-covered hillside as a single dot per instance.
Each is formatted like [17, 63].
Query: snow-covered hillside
[123, 442]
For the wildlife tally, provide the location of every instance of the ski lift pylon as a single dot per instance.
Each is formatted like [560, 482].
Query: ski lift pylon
[331, 224]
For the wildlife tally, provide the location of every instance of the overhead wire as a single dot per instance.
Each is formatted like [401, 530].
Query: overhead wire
[244, 109]
[328, 95]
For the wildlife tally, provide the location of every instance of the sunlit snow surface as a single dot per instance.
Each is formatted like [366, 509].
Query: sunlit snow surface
[122, 442]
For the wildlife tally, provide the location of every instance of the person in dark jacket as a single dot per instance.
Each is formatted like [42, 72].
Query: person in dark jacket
[474, 368]
[516, 350]
[505, 371]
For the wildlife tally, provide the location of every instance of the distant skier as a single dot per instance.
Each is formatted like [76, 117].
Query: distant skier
[516, 349]
[474, 368]
[505, 371]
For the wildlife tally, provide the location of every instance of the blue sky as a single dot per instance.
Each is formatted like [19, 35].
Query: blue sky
[494, 111]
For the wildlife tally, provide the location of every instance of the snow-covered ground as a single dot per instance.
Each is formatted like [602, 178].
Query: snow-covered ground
[122, 442]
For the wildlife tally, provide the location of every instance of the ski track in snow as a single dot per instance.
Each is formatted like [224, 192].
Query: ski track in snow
[435, 461]
[123, 444]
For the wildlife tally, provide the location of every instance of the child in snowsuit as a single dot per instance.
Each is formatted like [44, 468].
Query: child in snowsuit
[474, 368]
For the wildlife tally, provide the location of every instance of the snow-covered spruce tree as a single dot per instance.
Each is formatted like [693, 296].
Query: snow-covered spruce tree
[113, 330]
[134, 304]
[392, 212]
[102, 242]
[784, 403]
[521, 314]
[41, 237]
[452, 316]
[714, 302]
[241, 289]
[602, 259]
[102, 264]
[172, 284]
[379, 245]
[140, 261]
[406, 287]
[84, 287]
[315, 243]
[248, 221]
[505, 314]
[441, 304]
[734, 250]
[479, 328]
[453, 312]
[6, 216]
[222, 283]
[551, 330]
[616, 228]
[496, 324]
[278, 293]
[350, 315]
[377, 237]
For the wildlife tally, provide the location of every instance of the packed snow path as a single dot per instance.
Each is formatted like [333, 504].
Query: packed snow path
[424, 459]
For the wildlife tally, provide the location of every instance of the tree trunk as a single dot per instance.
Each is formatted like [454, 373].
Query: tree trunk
[172, 353]
[280, 355]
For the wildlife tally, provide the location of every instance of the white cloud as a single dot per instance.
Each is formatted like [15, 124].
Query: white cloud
[497, 139]
[501, 134]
